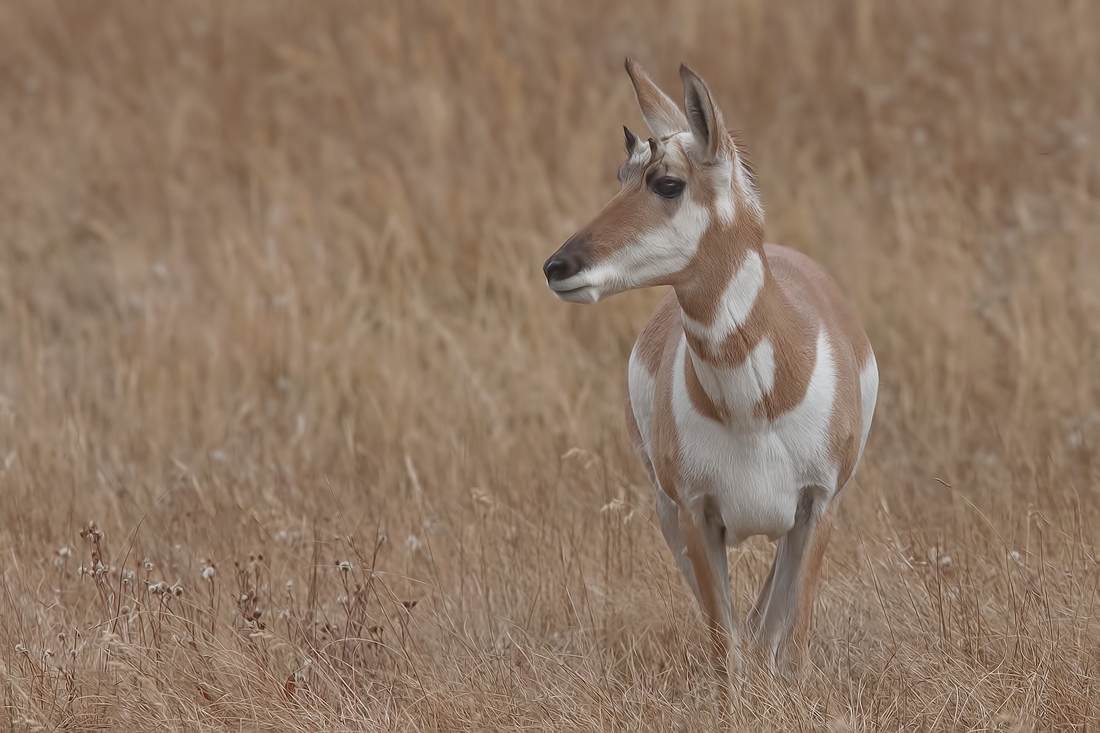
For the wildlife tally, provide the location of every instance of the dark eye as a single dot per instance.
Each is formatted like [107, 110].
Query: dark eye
[668, 187]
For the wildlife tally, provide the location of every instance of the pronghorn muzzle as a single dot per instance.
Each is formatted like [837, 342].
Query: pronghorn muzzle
[567, 261]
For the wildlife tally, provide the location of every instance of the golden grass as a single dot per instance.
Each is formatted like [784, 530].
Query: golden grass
[271, 290]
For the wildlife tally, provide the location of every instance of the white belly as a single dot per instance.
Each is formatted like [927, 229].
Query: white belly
[752, 471]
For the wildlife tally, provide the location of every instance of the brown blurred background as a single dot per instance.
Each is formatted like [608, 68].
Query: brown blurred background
[270, 286]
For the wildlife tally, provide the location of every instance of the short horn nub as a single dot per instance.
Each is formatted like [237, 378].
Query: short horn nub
[656, 151]
[631, 139]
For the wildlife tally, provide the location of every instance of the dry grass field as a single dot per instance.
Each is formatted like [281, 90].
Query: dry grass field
[272, 317]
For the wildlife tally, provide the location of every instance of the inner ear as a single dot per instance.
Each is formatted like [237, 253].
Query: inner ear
[703, 116]
[700, 124]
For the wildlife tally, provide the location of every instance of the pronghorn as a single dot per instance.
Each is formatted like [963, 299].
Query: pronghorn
[751, 388]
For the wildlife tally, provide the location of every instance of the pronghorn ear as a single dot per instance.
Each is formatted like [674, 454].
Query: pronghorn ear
[703, 116]
[661, 114]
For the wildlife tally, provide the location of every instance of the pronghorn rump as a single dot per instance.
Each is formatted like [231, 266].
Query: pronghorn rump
[752, 387]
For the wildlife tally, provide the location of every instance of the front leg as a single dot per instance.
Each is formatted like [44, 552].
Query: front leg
[782, 614]
[705, 547]
[668, 512]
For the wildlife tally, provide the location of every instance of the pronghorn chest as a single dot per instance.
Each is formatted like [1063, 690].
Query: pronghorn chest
[751, 469]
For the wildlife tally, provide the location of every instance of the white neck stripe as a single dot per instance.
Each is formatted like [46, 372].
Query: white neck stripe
[736, 303]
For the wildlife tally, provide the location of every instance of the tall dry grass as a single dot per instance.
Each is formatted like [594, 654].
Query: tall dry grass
[270, 294]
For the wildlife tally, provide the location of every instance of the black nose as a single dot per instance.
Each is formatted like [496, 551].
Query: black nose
[566, 262]
[559, 267]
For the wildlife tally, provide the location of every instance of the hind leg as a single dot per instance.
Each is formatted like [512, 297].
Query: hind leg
[756, 613]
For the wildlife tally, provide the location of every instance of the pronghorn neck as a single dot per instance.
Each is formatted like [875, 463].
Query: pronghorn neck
[723, 290]
[729, 273]
[733, 317]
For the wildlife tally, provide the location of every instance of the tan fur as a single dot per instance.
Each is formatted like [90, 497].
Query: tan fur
[625, 218]
[814, 294]
[814, 555]
[666, 441]
[657, 108]
[810, 575]
[700, 400]
[708, 588]
[651, 341]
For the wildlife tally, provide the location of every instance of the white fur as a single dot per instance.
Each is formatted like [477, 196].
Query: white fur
[642, 387]
[723, 173]
[868, 391]
[752, 470]
[739, 389]
[736, 302]
[637, 160]
[723, 178]
[654, 256]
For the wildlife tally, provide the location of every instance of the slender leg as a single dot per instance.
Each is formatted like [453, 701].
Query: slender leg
[811, 573]
[706, 550]
[669, 514]
[756, 613]
[668, 511]
[785, 615]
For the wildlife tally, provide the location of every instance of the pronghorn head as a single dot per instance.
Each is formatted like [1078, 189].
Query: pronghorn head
[679, 187]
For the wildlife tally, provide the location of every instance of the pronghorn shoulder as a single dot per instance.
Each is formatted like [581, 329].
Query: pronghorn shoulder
[811, 290]
[814, 293]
